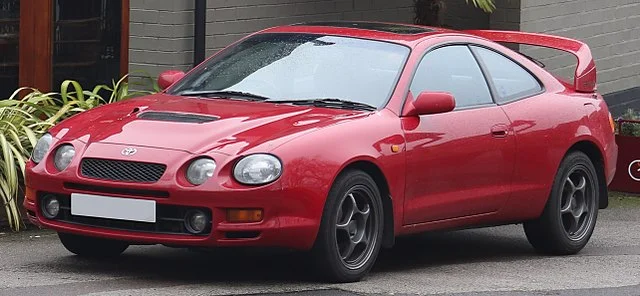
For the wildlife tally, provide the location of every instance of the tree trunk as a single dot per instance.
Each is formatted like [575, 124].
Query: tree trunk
[429, 12]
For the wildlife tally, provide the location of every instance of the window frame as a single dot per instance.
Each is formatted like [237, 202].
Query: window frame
[473, 54]
[490, 81]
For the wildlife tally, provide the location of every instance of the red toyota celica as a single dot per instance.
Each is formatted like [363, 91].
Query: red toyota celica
[336, 138]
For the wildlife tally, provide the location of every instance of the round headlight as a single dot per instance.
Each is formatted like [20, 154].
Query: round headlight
[64, 156]
[42, 146]
[200, 170]
[258, 169]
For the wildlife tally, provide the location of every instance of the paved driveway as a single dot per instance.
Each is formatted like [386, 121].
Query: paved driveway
[493, 261]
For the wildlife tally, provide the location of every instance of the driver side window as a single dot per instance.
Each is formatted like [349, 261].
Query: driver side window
[452, 69]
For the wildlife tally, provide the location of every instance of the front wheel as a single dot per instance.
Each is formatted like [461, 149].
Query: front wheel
[91, 247]
[350, 234]
[570, 215]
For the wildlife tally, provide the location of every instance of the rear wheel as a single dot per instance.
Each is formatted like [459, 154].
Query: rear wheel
[350, 234]
[570, 215]
[91, 247]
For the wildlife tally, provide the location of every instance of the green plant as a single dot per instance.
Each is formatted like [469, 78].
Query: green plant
[630, 129]
[24, 120]
[486, 5]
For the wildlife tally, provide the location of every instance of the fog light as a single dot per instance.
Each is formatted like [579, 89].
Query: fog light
[196, 222]
[244, 215]
[50, 206]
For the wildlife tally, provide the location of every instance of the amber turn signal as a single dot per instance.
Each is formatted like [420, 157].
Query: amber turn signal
[244, 215]
[30, 194]
[613, 123]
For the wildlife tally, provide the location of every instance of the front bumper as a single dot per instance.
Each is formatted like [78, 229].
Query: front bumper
[290, 218]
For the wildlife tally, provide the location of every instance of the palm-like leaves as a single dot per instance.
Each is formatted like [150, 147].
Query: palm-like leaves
[23, 121]
[486, 5]
[20, 126]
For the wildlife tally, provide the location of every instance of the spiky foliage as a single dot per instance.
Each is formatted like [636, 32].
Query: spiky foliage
[27, 115]
[486, 5]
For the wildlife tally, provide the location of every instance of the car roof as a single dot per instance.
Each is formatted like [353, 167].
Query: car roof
[393, 32]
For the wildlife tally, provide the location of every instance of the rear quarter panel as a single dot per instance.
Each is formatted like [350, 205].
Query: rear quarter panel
[546, 127]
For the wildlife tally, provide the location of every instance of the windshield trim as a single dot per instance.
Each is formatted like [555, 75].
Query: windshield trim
[170, 89]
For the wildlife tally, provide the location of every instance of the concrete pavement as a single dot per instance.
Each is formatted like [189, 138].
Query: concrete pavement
[492, 261]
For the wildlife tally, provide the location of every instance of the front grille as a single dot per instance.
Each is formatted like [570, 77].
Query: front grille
[169, 219]
[119, 170]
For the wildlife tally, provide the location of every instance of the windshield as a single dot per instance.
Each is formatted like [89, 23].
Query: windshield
[287, 67]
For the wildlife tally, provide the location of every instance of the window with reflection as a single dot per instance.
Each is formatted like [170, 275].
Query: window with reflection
[511, 81]
[292, 66]
[9, 37]
[86, 41]
[452, 69]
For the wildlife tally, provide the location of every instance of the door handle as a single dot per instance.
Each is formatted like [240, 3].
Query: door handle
[500, 131]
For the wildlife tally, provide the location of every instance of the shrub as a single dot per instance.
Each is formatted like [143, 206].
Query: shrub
[24, 120]
[630, 129]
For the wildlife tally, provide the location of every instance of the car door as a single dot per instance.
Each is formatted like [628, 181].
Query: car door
[535, 116]
[459, 163]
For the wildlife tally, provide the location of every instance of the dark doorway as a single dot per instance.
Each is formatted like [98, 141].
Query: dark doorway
[9, 45]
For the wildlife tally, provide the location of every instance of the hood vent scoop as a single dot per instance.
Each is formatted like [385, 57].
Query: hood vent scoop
[176, 117]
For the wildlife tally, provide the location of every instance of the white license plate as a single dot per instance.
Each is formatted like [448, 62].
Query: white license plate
[97, 206]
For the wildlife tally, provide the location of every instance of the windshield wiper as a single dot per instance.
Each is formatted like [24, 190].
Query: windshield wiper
[231, 94]
[328, 102]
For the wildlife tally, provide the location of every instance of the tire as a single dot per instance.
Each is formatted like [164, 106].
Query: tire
[334, 259]
[91, 247]
[557, 231]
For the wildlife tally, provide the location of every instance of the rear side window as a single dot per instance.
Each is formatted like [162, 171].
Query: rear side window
[511, 81]
[452, 69]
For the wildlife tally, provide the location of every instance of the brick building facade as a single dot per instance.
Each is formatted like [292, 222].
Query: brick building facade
[161, 32]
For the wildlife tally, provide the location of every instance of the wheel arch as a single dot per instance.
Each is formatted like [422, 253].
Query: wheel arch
[373, 170]
[594, 153]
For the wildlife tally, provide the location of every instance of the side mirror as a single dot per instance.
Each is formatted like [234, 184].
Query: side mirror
[432, 103]
[169, 77]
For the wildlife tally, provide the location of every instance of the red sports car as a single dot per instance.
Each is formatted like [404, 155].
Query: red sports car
[336, 138]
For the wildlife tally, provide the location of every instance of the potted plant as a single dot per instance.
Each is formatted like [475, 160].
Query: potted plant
[627, 178]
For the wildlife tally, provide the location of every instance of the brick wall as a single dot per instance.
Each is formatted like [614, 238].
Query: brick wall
[506, 16]
[460, 15]
[611, 29]
[161, 37]
[161, 32]
[230, 20]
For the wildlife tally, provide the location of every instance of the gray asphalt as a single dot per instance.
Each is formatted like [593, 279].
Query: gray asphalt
[492, 261]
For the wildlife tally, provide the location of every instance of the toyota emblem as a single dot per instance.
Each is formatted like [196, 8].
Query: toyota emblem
[129, 151]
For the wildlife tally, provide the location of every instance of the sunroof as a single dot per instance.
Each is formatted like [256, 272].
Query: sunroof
[383, 27]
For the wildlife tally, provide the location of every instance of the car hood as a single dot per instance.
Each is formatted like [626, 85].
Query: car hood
[198, 125]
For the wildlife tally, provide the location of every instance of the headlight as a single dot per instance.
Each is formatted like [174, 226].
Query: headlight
[200, 170]
[257, 169]
[64, 156]
[42, 146]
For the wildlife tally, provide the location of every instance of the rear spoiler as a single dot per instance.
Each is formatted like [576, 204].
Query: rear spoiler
[585, 76]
